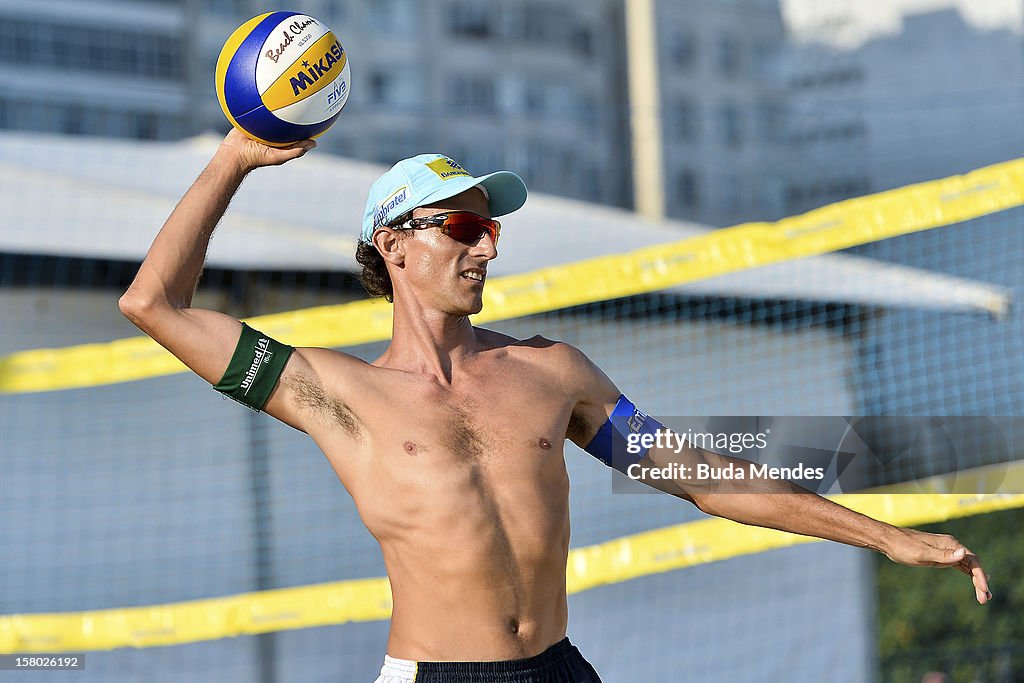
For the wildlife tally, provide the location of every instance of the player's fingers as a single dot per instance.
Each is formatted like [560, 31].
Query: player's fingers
[971, 566]
[293, 151]
[304, 145]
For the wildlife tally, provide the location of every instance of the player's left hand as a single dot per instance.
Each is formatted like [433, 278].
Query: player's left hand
[919, 549]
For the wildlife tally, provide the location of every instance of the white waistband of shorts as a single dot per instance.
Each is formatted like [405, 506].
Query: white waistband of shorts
[397, 670]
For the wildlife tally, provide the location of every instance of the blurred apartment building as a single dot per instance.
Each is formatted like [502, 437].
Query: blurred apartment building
[532, 85]
[538, 86]
[938, 98]
[97, 68]
[723, 108]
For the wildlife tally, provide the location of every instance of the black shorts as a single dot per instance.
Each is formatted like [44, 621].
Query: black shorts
[560, 663]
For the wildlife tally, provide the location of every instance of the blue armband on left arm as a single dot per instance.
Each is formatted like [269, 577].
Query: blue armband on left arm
[619, 441]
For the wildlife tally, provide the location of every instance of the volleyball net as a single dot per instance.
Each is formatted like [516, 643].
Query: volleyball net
[169, 533]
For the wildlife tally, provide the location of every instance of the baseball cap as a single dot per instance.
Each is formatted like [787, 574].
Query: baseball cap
[428, 178]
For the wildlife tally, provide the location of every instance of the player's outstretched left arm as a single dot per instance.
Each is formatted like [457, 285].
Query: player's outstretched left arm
[776, 504]
[779, 504]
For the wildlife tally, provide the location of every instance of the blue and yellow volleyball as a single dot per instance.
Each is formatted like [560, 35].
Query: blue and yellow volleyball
[282, 77]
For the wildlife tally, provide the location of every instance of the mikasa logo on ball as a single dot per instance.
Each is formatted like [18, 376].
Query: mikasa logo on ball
[316, 70]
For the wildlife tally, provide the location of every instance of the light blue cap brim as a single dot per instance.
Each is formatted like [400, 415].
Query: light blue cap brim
[506, 192]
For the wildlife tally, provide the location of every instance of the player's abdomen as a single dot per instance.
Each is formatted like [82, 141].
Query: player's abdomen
[476, 554]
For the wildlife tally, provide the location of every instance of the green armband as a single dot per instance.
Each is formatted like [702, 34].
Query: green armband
[255, 367]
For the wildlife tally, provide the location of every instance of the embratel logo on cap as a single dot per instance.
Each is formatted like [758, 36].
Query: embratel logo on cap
[399, 196]
[446, 169]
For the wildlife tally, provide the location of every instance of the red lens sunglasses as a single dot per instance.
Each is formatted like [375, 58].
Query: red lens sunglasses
[464, 226]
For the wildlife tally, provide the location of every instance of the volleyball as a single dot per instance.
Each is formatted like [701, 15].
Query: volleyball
[282, 77]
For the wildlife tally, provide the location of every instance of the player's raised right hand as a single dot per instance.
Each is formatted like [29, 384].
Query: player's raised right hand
[250, 154]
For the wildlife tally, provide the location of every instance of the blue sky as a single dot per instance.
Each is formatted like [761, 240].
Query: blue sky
[851, 22]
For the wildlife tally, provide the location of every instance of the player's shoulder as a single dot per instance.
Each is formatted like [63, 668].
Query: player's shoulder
[560, 355]
[318, 355]
[327, 364]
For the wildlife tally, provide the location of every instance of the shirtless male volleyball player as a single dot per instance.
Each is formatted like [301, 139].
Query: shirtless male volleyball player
[451, 442]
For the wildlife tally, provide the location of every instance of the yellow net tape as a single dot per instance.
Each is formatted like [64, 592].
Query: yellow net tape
[837, 226]
[621, 559]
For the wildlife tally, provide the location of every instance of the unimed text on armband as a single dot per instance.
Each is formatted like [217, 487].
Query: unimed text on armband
[255, 367]
[610, 443]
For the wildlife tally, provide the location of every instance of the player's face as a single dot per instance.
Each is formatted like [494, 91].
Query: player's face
[446, 272]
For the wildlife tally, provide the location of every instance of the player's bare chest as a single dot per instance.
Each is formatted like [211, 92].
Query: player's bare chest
[487, 409]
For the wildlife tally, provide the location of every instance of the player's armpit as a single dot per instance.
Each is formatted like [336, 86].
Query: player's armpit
[318, 387]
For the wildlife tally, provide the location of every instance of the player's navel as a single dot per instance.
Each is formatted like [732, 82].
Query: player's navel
[544, 443]
[410, 448]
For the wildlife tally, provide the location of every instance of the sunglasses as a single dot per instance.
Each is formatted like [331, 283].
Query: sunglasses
[464, 226]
